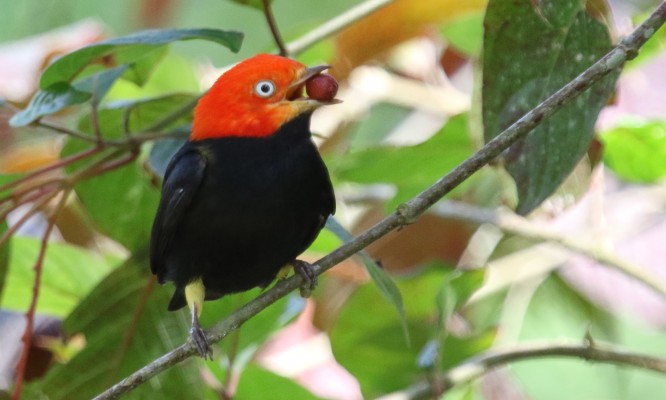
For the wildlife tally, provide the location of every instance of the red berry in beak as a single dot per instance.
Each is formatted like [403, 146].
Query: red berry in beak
[321, 87]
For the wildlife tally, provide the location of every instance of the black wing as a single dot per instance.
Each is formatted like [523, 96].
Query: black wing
[181, 183]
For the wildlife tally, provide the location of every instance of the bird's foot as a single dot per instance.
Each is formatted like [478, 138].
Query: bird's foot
[199, 338]
[304, 269]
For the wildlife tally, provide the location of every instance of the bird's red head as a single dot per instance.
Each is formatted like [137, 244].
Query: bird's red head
[254, 98]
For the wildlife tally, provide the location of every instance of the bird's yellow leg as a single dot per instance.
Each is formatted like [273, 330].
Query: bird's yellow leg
[284, 271]
[195, 293]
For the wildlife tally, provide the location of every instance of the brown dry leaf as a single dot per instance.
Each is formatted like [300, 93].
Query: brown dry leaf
[430, 238]
[401, 20]
[18, 156]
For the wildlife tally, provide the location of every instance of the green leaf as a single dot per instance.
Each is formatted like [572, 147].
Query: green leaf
[258, 329]
[556, 312]
[62, 95]
[259, 383]
[126, 325]
[636, 150]
[384, 283]
[527, 57]
[173, 74]
[100, 83]
[161, 153]
[258, 4]
[122, 202]
[363, 338]
[458, 286]
[420, 165]
[48, 101]
[4, 258]
[141, 69]
[69, 273]
[465, 33]
[141, 115]
[128, 49]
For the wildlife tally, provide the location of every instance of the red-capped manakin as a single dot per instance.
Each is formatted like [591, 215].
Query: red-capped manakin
[247, 193]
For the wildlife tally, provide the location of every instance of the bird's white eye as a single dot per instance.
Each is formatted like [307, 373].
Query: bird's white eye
[264, 88]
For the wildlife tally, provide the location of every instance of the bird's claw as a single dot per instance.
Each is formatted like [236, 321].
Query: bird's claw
[304, 269]
[199, 338]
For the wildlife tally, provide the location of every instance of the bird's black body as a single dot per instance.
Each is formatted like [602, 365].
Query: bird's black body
[235, 210]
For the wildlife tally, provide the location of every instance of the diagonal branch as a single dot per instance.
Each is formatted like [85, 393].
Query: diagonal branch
[335, 25]
[410, 211]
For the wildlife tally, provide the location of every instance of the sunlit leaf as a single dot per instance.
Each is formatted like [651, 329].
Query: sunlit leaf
[465, 33]
[126, 325]
[49, 100]
[531, 49]
[557, 312]
[127, 49]
[258, 4]
[458, 286]
[412, 168]
[140, 70]
[362, 333]
[384, 283]
[637, 151]
[259, 383]
[4, 259]
[69, 273]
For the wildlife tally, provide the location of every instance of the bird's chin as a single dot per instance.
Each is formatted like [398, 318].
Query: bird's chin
[307, 104]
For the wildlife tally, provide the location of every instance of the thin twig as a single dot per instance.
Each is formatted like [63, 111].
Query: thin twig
[94, 121]
[483, 363]
[270, 19]
[335, 25]
[518, 225]
[30, 314]
[66, 131]
[29, 214]
[410, 211]
[30, 195]
[58, 164]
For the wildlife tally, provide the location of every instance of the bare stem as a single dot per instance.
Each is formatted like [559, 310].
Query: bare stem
[56, 165]
[270, 19]
[410, 211]
[481, 364]
[30, 314]
[335, 25]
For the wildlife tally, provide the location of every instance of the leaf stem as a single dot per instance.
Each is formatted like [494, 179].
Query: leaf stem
[483, 363]
[270, 19]
[30, 314]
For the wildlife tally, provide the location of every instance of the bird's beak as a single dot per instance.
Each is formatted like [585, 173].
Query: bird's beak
[295, 90]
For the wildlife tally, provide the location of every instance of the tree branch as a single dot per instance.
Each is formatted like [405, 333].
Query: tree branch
[410, 211]
[481, 364]
[335, 25]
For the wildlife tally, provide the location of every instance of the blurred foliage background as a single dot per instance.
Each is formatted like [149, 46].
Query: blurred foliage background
[560, 239]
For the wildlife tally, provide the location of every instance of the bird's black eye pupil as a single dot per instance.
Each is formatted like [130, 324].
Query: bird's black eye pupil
[265, 88]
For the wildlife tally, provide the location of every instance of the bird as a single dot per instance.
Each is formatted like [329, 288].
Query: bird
[247, 193]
